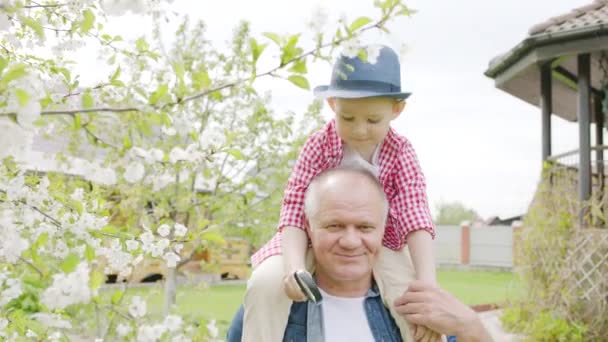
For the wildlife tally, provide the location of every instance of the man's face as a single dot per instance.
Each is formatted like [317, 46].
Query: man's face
[346, 229]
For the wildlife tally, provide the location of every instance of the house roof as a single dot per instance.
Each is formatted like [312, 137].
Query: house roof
[592, 14]
[558, 41]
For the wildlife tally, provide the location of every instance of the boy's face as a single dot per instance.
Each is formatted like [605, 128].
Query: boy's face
[363, 123]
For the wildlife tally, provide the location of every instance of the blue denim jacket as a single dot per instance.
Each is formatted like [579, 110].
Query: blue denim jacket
[305, 323]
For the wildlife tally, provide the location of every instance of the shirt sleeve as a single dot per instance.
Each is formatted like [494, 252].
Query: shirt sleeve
[409, 206]
[305, 169]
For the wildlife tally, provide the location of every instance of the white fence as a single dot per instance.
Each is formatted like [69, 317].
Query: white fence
[489, 246]
[447, 245]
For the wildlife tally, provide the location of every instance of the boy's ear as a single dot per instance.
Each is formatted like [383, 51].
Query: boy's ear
[331, 101]
[398, 108]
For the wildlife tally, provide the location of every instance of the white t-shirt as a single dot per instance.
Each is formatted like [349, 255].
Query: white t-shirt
[344, 319]
[353, 158]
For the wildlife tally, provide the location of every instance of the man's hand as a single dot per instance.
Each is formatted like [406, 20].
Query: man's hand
[292, 290]
[424, 334]
[427, 305]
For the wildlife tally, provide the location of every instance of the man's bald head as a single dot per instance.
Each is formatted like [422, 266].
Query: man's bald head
[343, 179]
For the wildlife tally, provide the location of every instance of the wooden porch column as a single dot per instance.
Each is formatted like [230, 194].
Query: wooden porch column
[599, 141]
[584, 118]
[546, 105]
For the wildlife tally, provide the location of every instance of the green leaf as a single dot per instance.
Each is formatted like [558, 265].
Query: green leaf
[34, 25]
[178, 68]
[141, 45]
[69, 263]
[126, 142]
[3, 63]
[299, 67]
[235, 153]
[88, 21]
[117, 296]
[22, 96]
[89, 253]
[41, 240]
[300, 81]
[77, 122]
[358, 23]
[15, 72]
[115, 75]
[273, 36]
[87, 100]
[96, 280]
[160, 93]
[256, 49]
[213, 236]
[201, 80]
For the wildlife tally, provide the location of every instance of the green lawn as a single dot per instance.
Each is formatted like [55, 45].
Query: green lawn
[481, 287]
[221, 302]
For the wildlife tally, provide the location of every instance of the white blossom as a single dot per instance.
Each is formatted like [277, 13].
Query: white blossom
[13, 291]
[212, 329]
[11, 244]
[170, 131]
[132, 245]
[120, 7]
[150, 333]
[134, 172]
[173, 322]
[31, 334]
[27, 114]
[177, 154]
[52, 320]
[5, 22]
[163, 230]
[78, 195]
[351, 48]
[373, 52]
[172, 259]
[123, 330]
[137, 308]
[3, 325]
[68, 289]
[56, 336]
[180, 230]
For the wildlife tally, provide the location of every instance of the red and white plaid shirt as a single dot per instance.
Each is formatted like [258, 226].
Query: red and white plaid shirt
[399, 173]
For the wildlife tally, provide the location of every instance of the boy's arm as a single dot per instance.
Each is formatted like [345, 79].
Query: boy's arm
[420, 244]
[294, 243]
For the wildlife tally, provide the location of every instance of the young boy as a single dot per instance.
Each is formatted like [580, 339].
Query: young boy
[366, 96]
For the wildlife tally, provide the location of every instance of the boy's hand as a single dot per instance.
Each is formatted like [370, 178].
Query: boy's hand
[292, 290]
[423, 334]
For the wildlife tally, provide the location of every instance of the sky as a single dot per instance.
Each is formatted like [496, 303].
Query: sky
[476, 144]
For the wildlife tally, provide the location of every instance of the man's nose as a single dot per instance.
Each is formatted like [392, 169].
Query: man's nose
[350, 237]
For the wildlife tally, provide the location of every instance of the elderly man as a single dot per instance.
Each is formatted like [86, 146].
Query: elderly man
[346, 209]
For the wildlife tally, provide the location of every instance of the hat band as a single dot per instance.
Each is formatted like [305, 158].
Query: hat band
[365, 85]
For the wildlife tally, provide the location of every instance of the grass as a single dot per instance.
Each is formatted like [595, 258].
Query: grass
[220, 302]
[476, 287]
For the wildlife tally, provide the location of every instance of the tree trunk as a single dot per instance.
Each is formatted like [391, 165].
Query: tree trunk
[170, 289]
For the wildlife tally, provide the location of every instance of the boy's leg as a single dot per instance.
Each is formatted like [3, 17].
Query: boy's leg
[393, 272]
[266, 304]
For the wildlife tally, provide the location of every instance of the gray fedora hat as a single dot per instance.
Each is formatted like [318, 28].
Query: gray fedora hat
[353, 77]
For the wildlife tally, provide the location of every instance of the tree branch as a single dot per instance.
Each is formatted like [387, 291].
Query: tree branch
[31, 264]
[270, 72]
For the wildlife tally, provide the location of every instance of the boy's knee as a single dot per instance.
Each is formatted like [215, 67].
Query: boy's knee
[266, 279]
